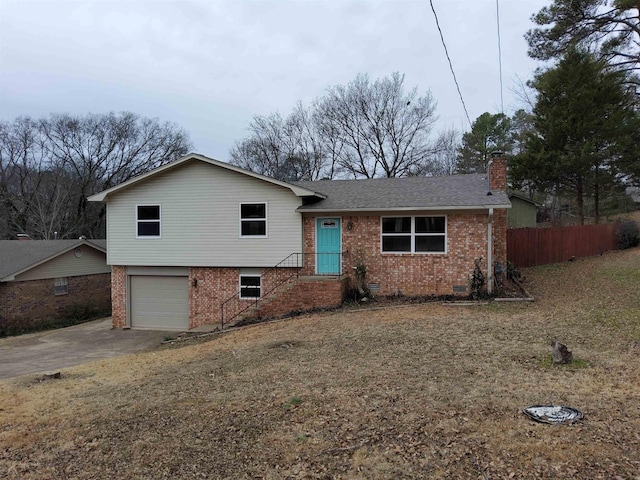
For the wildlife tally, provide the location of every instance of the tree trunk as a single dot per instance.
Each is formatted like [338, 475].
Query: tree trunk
[596, 195]
[580, 201]
[596, 199]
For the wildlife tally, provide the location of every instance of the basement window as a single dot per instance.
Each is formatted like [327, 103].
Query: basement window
[250, 287]
[61, 286]
[148, 221]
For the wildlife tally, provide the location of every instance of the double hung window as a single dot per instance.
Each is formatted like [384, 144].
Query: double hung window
[148, 221]
[61, 286]
[253, 219]
[250, 287]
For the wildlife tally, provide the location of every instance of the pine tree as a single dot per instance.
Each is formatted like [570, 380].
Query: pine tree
[586, 130]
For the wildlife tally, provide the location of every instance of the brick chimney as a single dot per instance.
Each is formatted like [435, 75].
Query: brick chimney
[497, 172]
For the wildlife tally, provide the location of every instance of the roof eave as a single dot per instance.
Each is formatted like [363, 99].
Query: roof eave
[298, 191]
[402, 209]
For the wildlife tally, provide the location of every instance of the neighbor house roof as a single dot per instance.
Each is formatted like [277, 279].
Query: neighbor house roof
[451, 192]
[523, 196]
[296, 189]
[18, 256]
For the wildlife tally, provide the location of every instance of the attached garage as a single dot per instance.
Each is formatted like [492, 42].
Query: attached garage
[158, 301]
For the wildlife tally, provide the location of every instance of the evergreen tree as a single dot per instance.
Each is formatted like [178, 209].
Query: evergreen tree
[586, 130]
[609, 27]
[488, 134]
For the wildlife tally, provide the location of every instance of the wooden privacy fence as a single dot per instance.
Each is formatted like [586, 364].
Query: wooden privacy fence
[527, 247]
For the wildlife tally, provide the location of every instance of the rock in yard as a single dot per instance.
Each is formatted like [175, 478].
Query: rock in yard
[50, 376]
[561, 354]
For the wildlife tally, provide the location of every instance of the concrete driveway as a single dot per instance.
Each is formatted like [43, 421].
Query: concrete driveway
[54, 349]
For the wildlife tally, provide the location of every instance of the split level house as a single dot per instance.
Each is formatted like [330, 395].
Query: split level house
[199, 241]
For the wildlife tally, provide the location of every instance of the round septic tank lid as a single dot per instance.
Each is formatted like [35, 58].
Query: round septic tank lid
[553, 414]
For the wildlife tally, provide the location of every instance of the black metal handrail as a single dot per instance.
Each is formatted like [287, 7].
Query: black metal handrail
[294, 262]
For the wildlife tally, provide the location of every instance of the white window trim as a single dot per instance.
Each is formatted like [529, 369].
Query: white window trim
[150, 237]
[240, 285]
[266, 223]
[58, 282]
[413, 235]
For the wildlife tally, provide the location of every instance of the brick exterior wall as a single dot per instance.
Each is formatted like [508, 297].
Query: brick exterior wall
[304, 295]
[500, 237]
[28, 304]
[216, 285]
[417, 274]
[498, 174]
[118, 296]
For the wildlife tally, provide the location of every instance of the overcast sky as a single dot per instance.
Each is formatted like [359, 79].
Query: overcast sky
[209, 66]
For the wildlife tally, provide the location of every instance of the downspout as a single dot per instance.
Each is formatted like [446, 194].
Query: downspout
[489, 252]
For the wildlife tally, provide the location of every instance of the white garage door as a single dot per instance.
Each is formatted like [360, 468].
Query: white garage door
[159, 302]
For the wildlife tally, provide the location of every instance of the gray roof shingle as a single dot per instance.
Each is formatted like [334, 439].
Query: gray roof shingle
[18, 255]
[420, 193]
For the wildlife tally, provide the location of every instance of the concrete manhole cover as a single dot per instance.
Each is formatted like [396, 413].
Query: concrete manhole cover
[553, 414]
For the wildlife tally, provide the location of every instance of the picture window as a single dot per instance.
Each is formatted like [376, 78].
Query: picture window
[414, 234]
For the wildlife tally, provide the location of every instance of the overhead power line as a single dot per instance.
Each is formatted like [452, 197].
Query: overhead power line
[500, 56]
[446, 52]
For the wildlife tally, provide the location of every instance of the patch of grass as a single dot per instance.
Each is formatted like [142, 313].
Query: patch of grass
[292, 402]
[546, 361]
[622, 276]
[423, 391]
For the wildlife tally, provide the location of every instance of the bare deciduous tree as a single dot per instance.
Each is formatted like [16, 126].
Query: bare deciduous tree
[48, 168]
[385, 131]
[363, 129]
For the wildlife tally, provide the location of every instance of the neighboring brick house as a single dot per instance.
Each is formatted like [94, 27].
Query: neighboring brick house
[196, 241]
[43, 280]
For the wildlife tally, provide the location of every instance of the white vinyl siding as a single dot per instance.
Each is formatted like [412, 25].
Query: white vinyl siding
[89, 262]
[200, 220]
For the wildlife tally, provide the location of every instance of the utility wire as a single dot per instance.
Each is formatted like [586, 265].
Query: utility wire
[446, 51]
[499, 56]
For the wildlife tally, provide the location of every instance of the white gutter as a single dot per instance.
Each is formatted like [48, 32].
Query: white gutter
[304, 209]
[489, 252]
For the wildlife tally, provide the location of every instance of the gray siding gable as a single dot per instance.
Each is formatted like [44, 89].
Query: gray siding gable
[20, 257]
[200, 220]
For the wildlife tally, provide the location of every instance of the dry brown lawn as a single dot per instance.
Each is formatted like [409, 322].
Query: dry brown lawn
[424, 391]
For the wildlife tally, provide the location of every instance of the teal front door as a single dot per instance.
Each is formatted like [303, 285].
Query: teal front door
[328, 246]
